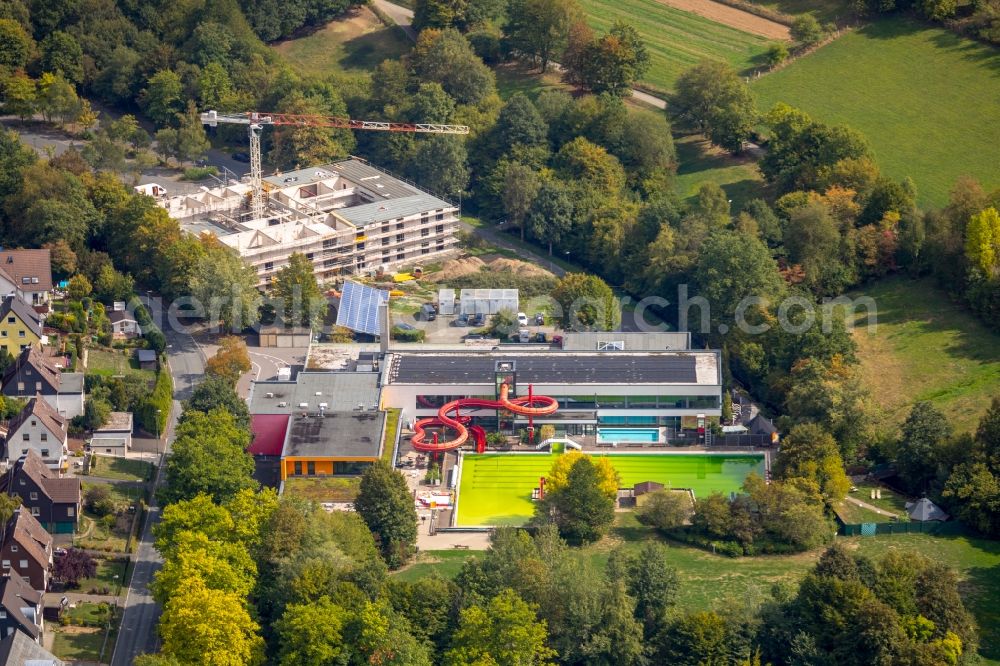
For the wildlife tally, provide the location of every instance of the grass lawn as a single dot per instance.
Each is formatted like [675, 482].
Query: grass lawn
[85, 644]
[354, 44]
[517, 77]
[926, 99]
[324, 489]
[391, 423]
[700, 162]
[111, 362]
[927, 348]
[495, 489]
[445, 563]
[676, 39]
[825, 11]
[109, 575]
[113, 467]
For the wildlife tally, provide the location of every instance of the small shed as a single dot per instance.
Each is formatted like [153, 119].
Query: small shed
[924, 509]
[146, 359]
[646, 487]
[488, 301]
[446, 301]
[285, 337]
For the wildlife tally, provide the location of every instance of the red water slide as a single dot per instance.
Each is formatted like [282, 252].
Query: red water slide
[450, 417]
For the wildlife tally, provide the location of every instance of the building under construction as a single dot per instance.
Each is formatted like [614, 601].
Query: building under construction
[346, 217]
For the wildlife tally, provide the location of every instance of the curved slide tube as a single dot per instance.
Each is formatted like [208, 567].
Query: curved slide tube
[531, 405]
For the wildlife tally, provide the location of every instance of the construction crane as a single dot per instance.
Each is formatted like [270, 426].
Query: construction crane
[255, 120]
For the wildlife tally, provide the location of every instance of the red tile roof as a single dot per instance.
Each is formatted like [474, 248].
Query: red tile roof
[18, 265]
[268, 434]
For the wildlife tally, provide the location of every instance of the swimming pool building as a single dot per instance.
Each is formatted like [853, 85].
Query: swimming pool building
[612, 389]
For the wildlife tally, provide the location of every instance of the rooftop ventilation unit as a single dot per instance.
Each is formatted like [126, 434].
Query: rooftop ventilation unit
[268, 395]
[282, 404]
[322, 405]
[303, 405]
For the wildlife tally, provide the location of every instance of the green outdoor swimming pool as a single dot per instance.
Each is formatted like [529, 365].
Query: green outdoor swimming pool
[495, 489]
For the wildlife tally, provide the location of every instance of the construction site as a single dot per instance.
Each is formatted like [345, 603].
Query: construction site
[346, 217]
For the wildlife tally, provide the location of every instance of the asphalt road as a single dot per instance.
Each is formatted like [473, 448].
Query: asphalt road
[137, 634]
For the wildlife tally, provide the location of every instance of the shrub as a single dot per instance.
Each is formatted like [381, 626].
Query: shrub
[199, 173]
[98, 500]
[404, 335]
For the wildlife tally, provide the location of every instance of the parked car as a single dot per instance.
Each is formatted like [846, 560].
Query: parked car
[241, 157]
[522, 319]
[539, 319]
[479, 320]
[428, 312]
[524, 335]
[540, 336]
[473, 336]
[403, 326]
[463, 320]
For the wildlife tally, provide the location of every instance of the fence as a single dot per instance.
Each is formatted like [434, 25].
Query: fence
[912, 527]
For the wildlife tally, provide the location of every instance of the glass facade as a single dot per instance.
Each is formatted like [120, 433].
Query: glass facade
[585, 402]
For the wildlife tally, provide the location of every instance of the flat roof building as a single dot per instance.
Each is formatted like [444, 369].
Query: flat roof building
[322, 424]
[346, 217]
[664, 389]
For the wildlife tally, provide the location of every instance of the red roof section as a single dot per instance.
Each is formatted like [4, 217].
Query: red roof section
[268, 434]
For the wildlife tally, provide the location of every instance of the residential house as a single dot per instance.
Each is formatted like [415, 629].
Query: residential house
[123, 325]
[32, 373]
[20, 608]
[114, 437]
[53, 500]
[26, 550]
[20, 325]
[28, 274]
[40, 429]
[19, 650]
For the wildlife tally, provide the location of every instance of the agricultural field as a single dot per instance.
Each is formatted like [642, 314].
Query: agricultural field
[927, 348]
[926, 99]
[677, 39]
[355, 44]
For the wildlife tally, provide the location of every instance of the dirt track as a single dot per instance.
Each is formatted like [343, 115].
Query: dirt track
[734, 18]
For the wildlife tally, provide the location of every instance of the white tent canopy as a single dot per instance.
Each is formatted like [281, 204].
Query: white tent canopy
[487, 301]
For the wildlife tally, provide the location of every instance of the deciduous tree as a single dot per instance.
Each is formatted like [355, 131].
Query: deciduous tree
[73, 566]
[713, 97]
[385, 504]
[505, 632]
[298, 293]
[581, 509]
[207, 627]
[586, 303]
[540, 28]
[230, 361]
[208, 456]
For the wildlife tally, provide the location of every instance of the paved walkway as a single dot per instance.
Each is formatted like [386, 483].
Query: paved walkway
[870, 507]
[404, 19]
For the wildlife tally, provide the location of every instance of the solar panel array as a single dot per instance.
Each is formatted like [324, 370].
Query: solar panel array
[359, 308]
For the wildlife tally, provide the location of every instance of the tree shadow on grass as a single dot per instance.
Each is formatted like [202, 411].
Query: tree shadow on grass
[370, 49]
[981, 592]
[931, 312]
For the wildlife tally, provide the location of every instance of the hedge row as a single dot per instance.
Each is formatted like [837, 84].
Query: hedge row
[162, 398]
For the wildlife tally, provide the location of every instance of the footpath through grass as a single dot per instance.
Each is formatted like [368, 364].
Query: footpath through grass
[927, 348]
[700, 162]
[926, 99]
[677, 39]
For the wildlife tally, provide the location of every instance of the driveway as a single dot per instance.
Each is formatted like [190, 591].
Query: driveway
[137, 634]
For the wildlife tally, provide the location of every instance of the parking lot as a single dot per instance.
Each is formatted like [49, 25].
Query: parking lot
[454, 328]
